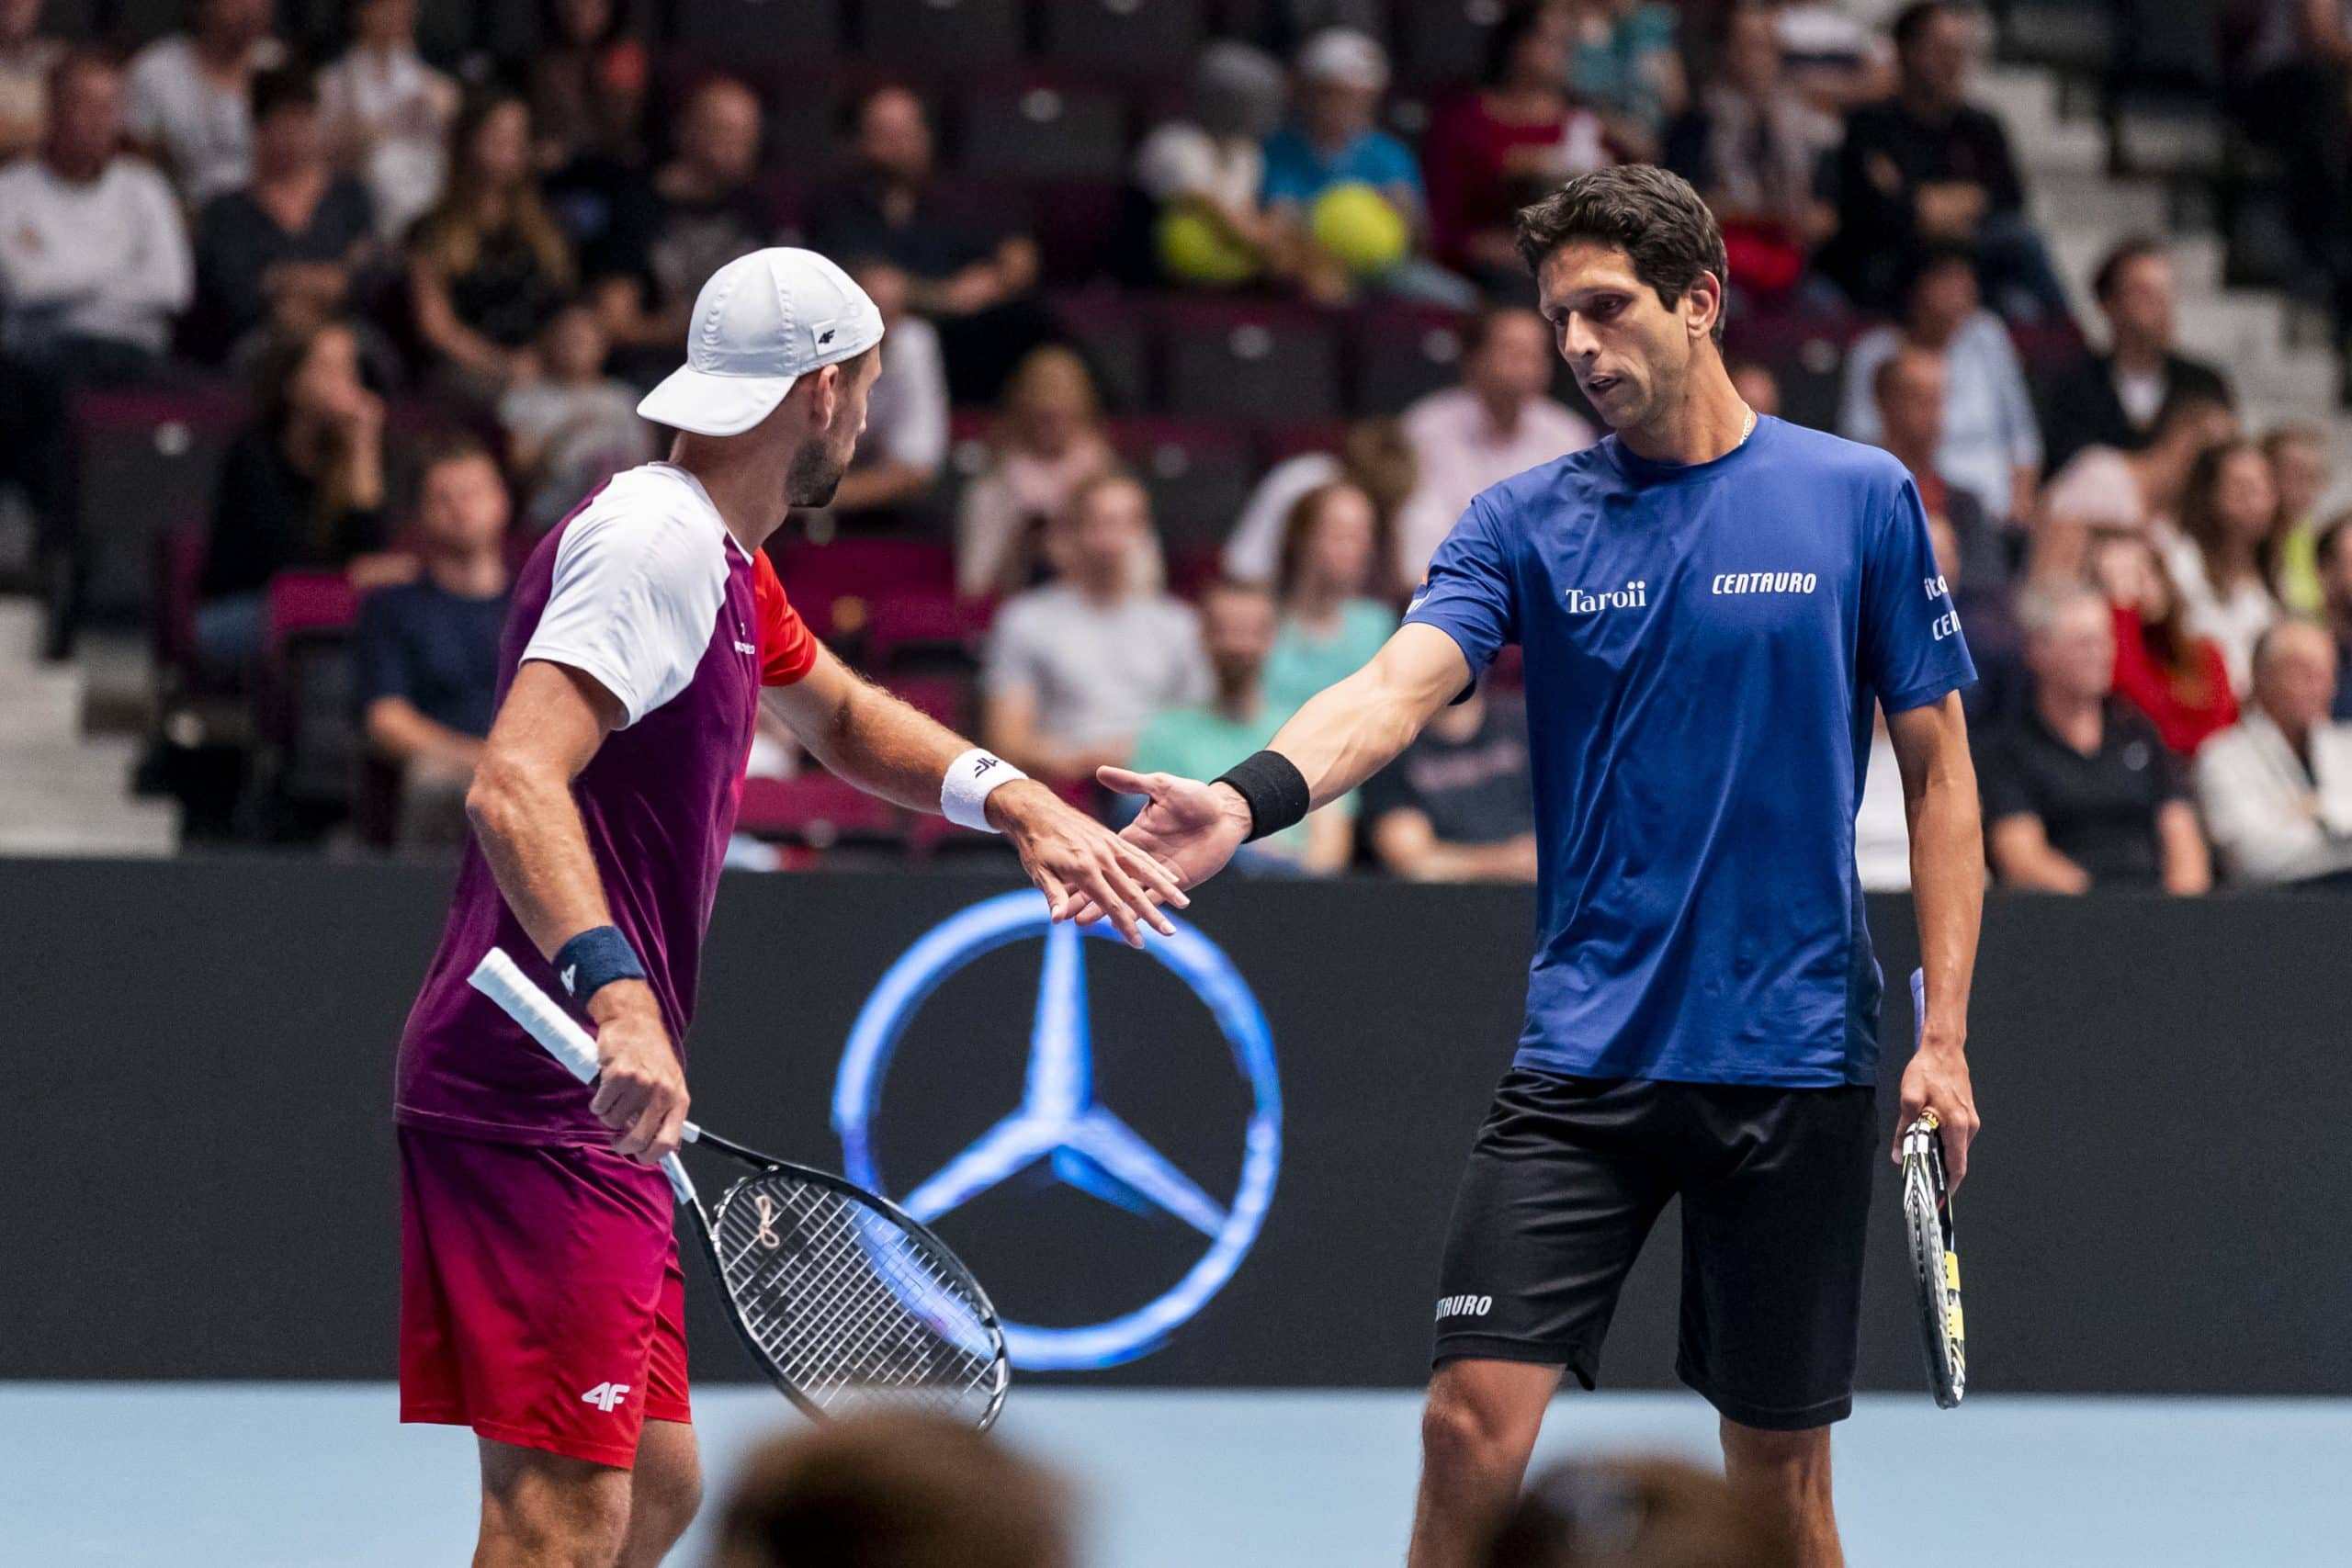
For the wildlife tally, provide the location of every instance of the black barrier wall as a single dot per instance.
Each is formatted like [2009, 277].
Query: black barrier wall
[199, 1174]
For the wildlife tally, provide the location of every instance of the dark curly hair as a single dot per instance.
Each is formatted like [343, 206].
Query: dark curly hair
[1654, 216]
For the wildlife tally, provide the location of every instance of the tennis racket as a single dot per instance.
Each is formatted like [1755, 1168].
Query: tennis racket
[1935, 1260]
[845, 1301]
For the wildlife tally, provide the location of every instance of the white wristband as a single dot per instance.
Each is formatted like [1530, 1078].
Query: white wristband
[963, 792]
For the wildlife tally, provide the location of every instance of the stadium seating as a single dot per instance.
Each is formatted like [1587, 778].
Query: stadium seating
[1402, 352]
[1039, 127]
[1199, 472]
[1115, 335]
[1444, 41]
[817, 809]
[946, 698]
[1254, 360]
[147, 460]
[966, 34]
[910, 630]
[1139, 37]
[834, 585]
[1077, 226]
[307, 690]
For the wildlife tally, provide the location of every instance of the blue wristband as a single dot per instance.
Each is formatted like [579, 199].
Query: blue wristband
[595, 959]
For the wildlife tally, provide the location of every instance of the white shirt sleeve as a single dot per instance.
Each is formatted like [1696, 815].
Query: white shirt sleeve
[634, 601]
[2250, 813]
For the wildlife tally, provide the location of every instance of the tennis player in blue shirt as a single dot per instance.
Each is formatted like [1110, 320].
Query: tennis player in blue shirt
[1710, 605]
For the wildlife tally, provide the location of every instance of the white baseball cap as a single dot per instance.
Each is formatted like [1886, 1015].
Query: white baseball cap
[1346, 56]
[761, 322]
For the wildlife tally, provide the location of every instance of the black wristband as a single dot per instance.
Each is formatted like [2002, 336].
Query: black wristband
[1272, 787]
[595, 959]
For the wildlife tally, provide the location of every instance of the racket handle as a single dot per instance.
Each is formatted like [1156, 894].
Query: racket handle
[498, 977]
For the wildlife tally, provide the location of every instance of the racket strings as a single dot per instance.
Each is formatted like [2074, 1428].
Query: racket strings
[1927, 1219]
[858, 1345]
[852, 1309]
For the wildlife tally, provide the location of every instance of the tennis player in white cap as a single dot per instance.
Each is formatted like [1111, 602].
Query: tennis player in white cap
[541, 1299]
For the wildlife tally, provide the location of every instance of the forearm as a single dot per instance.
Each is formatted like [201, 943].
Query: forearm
[1440, 861]
[363, 487]
[1330, 843]
[2262, 852]
[1947, 892]
[36, 276]
[529, 829]
[401, 734]
[1350, 732]
[2023, 858]
[868, 737]
[2189, 865]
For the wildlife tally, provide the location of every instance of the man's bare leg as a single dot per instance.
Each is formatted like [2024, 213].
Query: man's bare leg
[1789, 1471]
[665, 1491]
[544, 1510]
[1477, 1429]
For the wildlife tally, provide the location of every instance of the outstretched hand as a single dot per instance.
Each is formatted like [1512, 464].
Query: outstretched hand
[1189, 827]
[1078, 864]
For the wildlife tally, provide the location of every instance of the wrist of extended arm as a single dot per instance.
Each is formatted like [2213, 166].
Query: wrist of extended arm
[595, 959]
[1272, 787]
[971, 779]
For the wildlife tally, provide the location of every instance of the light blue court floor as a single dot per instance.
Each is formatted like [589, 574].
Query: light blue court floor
[311, 1476]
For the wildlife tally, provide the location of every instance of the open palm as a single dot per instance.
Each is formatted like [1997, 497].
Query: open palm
[1186, 825]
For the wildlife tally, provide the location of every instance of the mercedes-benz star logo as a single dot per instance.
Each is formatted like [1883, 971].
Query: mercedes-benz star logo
[1059, 1121]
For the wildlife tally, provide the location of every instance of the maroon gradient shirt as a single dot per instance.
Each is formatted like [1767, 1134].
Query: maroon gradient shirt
[645, 590]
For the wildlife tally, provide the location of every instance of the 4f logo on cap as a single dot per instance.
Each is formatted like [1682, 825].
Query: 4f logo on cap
[824, 337]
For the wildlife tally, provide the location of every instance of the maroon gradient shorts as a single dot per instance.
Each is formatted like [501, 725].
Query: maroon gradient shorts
[541, 1302]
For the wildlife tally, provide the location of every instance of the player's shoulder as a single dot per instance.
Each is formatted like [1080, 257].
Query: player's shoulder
[1542, 489]
[646, 528]
[654, 511]
[1836, 460]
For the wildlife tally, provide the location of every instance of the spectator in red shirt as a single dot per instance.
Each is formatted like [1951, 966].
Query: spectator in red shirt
[2180, 681]
[1489, 155]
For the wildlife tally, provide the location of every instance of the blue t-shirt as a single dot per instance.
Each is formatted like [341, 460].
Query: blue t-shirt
[1296, 172]
[436, 649]
[1702, 648]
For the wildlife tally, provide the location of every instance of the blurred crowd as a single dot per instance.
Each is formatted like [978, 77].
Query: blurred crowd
[888, 1491]
[438, 285]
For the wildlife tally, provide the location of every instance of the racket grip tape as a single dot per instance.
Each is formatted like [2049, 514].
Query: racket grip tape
[501, 979]
[498, 977]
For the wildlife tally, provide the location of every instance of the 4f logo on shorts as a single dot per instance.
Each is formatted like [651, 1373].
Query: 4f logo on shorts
[605, 1395]
[1464, 1306]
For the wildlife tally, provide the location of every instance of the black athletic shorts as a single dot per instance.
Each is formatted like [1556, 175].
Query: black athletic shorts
[1568, 1175]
